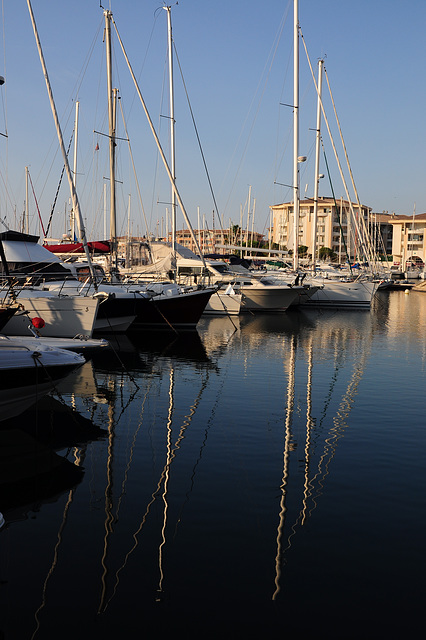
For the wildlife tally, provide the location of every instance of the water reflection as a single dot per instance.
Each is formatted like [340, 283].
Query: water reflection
[31, 474]
[214, 476]
[136, 351]
[327, 350]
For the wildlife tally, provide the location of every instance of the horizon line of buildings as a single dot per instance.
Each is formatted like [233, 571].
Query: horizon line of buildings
[400, 236]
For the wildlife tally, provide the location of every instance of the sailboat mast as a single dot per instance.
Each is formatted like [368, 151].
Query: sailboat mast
[160, 149]
[77, 105]
[317, 160]
[111, 126]
[172, 123]
[296, 135]
[27, 203]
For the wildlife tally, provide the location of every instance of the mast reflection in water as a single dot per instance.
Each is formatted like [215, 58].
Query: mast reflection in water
[263, 474]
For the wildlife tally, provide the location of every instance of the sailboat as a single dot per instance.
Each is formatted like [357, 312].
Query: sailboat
[164, 306]
[159, 306]
[63, 316]
[122, 307]
[346, 293]
[238, 291]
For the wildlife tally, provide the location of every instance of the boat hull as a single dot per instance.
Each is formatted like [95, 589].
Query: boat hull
[136, 307]
[267, 298]
[116, 314]
[80, 344]
[64, 316]
[343, 295]
[171, 313]
[6, 313]
[27, 374]
[222, 303]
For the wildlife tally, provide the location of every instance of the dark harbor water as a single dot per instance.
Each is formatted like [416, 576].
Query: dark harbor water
[265, 475]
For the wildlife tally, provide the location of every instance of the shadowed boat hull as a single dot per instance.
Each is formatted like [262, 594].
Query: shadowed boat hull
[178, 312]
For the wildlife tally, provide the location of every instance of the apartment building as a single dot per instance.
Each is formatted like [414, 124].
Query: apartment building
[210, 239]
[408, 239]
[336, 228]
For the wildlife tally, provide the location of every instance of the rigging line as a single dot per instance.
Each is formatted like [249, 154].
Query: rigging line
[156, 14]
[36, 203]
[156, 180]
[57, 190]
[6, 189]
[160, 149]
[79, 82]
[198, 138]
[279, 156]
[366, 235]
[331, 138]
[272, 53]
[65, 117]
[336, 208]
[133, 165]
[4, 102]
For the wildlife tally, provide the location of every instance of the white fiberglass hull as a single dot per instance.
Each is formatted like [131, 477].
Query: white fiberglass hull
[342, 295]
[27, 373]
[222, 303]
[80, 343]
[304, 294]
[113, 314]
[64, 316]
[267, 298]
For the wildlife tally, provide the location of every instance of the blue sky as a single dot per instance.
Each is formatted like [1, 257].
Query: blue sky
[237, 65]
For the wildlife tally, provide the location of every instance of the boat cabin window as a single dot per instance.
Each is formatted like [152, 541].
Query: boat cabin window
[219, 268]
[84, 272]
[190, 271]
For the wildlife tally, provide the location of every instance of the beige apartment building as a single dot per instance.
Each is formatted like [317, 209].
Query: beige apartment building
[400, 236]
[335, 226]
[210, 240]
[408, 239]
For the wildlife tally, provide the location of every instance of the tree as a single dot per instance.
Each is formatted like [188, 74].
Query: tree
[326, 252]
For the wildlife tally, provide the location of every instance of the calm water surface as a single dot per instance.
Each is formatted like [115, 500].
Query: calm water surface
[265, 475]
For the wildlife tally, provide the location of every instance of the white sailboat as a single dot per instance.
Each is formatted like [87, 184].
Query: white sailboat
[63, 316]
[215, 302]
[343, 293]
[122, 308]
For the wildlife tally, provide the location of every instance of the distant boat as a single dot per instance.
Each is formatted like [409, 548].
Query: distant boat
[225, 301]
[27, 373]
[77, 247]
[257, 293]
[335, 294]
